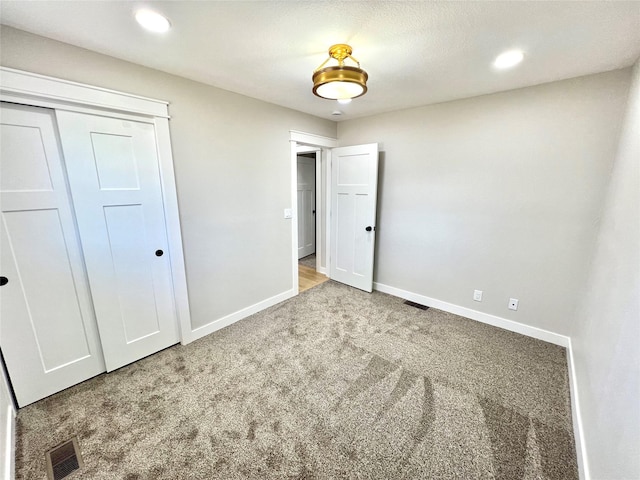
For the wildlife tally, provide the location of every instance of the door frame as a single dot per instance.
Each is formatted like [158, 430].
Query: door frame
[323, 146]
[26, 88]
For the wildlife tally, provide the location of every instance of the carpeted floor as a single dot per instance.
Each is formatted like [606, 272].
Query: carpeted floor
[335, 383]
[309, 261]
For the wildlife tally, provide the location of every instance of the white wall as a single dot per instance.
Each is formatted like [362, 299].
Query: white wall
[7, 429]
[233, 173]
[606, 336]
[499, 193]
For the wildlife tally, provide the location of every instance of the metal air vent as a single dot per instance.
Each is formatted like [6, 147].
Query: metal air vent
[63, 460]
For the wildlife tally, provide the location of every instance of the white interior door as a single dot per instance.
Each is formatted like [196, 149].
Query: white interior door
[114, 178]
[306, 206]
[354, 185]
[48, 331]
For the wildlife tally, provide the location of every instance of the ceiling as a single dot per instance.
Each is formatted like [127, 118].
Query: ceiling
[416, 53]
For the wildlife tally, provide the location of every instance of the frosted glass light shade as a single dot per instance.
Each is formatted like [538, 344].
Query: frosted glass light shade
[339, 90]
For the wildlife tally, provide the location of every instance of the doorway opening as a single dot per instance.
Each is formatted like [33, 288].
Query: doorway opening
[347, 181]
[310, 157]
[309, 208]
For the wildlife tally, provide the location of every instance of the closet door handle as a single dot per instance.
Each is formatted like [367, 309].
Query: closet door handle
[3, 281]
[368, 229]
[159, 253]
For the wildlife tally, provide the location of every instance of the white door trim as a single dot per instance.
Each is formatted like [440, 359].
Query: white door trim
[27, 85]
[313, 140]
[326, 152]
[319, 212]
[294, 216]
[41, 91]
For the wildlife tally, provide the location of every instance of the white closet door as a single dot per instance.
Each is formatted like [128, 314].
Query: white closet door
[48, 332]
[114, 177]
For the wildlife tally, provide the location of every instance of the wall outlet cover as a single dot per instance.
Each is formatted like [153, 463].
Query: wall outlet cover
[513, 304]
[477, 295]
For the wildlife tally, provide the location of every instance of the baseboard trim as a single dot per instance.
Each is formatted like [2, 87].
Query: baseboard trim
[322, 270]
[578, 432]
[239, 315]
[487, 318]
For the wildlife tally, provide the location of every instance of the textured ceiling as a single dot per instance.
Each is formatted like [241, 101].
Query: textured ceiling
[416, 53]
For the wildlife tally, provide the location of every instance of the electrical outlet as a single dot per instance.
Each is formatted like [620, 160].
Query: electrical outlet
[513, 304]
[477, 295]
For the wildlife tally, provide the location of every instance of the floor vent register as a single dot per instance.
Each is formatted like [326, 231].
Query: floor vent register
[415, 305]
[63, 460]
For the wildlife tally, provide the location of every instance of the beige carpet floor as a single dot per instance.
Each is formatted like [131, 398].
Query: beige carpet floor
[335, 383]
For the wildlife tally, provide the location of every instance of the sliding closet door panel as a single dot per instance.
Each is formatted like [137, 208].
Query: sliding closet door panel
[114, 176]
[48, 332]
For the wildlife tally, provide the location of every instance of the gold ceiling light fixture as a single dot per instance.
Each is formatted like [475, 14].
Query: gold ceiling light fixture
[340, 82]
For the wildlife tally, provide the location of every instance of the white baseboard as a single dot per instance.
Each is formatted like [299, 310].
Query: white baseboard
[322, 270]
[500, 322]
[239, 315]
[578, 432]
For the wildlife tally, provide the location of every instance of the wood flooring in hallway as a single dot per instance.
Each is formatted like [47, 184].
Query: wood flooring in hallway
[309, 278]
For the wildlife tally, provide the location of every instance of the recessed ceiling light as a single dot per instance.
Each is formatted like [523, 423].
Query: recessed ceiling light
[152, 21]
[508, 59]
[336, 113]
[344, 101]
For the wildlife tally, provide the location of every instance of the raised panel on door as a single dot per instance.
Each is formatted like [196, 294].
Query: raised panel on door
[114, 177]
[48, 332]
[353, 214]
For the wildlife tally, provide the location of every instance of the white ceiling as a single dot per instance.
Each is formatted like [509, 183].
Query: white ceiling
[416, 53]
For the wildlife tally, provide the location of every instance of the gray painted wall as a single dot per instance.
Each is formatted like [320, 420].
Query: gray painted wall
[499, 193]
[233, 171]
[606, 336]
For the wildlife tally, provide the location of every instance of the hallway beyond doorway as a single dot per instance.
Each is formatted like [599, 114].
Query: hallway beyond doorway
[308, 277]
